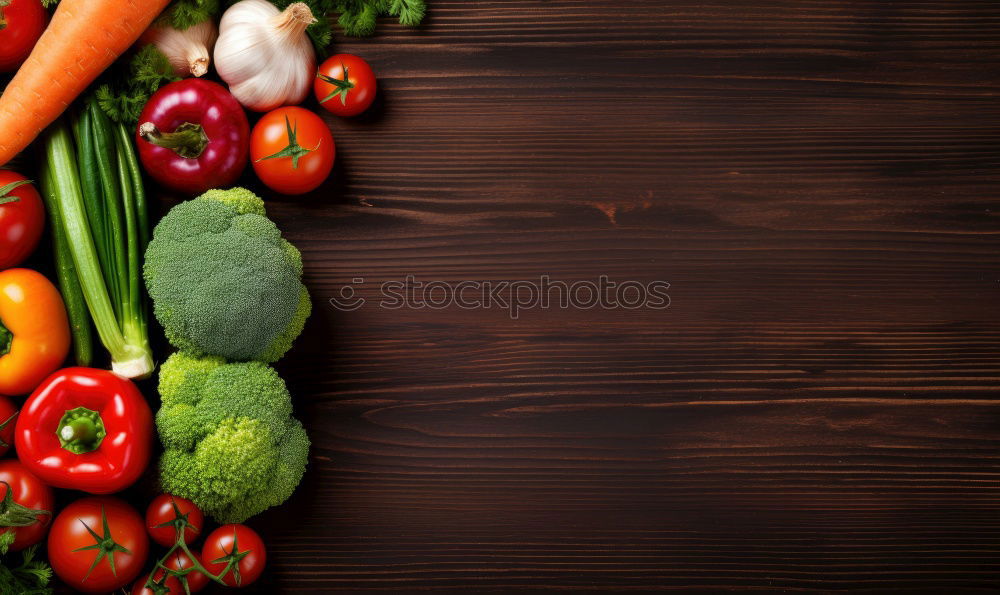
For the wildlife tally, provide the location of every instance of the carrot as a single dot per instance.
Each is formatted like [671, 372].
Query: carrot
[84, 38]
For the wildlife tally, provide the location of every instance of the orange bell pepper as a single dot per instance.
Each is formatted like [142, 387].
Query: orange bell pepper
[34, 330]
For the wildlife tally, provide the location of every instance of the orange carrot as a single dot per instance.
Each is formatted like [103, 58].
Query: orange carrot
[84, 38]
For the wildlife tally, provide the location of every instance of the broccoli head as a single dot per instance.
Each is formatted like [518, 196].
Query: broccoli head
[223, 280]
[230, 442]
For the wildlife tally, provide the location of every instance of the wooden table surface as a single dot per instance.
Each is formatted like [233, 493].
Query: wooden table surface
[819, 406]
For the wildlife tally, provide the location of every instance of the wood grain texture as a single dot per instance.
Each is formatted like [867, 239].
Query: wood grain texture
[819, 407]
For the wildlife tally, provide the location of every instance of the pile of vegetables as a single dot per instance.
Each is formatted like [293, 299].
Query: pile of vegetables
[119, 94]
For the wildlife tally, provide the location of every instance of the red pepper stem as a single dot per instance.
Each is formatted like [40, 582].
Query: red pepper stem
[6, 338]
[187, 140]
[81, 430]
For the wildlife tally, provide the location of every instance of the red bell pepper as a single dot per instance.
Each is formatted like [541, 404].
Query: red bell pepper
[193, 135]
[85, 429]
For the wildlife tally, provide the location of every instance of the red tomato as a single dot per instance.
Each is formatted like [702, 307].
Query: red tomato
[230, 542]
[161, 513]
[179, 561]
[292, 150]
[90, 533]
[172, 584]
[8, 413]
[345, 85]
[21, 24]
[29, 492]
[22, 215]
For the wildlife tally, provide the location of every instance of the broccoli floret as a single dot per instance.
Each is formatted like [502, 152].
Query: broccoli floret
[223, 280]
[230, 442]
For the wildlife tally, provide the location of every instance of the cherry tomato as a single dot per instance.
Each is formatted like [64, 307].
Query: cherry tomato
[179, 561]
[90, 533]
[21, 24]
[161, 513]
[8, 421]
[292, 150]
[345, 85]
[22, 215]
[235, 541]
[172, 584]
[28, 494]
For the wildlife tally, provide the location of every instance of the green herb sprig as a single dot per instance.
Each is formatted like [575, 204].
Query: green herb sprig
[129, 85]
[358, 18]
[30, 577]
[182, 14]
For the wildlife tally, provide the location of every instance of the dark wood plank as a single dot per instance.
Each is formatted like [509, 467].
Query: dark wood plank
[818, 408]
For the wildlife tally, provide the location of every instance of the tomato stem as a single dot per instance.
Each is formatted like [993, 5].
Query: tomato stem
[13, 514]
[6, 338]
[181, 524]
[5, 191]
[81, 430]
[187, 140]
[294, 149]
[105, 545]
[342, 86]
[4, 425]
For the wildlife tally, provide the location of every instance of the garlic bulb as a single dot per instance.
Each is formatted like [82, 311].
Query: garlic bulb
[265, 55]
[189, 50]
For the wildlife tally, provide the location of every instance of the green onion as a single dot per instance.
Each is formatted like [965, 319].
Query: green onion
[69, 284]
[97, 198]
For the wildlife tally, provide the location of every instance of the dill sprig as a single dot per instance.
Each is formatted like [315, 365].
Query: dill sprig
[31, 577]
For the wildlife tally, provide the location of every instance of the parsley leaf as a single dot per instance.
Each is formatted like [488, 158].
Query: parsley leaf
[182, 14]
[130, 85]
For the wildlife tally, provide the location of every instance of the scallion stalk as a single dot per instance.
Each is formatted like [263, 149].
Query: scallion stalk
[111, 287]
[69, 283]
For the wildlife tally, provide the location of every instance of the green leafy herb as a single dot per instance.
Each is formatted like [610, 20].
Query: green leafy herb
[358, 18]
[410, 12]
[31, 577]
[6, 540]
[182, 14]
[130, 85]
[48, 3]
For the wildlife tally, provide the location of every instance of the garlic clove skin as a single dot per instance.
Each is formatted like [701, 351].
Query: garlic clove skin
[265, 55]
[188, 50]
